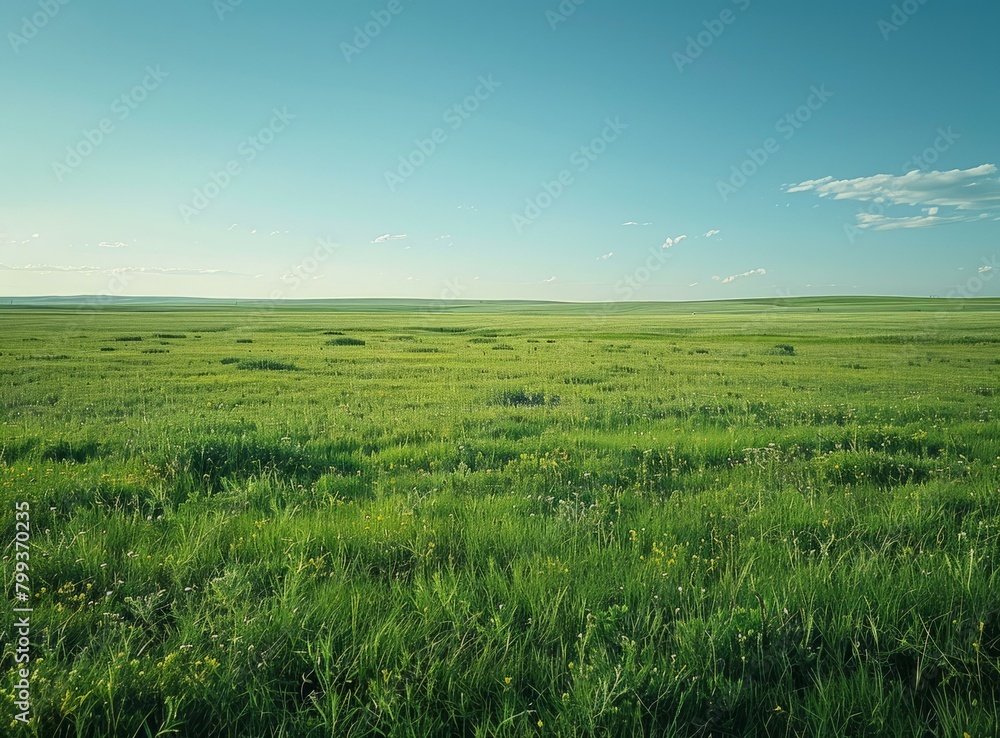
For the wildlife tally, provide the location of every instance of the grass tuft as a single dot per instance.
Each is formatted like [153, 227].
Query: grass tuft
[523, 398]
[262, 365]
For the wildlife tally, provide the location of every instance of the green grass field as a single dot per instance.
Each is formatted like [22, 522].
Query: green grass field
[775, 518]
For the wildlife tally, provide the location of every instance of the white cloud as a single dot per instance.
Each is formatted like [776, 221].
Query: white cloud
[388, 237]
[983, 270]
[712, 232]
[34, 235]
[671, 242]
[112, 245]
[751, 273]
[965, 191]
[550, 280]
[234, 225]
[606, 256]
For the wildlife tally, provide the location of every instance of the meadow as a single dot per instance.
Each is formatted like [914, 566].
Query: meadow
[773, 518]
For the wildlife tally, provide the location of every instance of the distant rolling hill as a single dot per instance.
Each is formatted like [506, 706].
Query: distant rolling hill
[390, 305]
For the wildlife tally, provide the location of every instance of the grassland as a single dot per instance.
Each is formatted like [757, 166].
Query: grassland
[774, 519]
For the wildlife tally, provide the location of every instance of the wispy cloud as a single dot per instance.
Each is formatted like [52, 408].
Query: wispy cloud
[168, 271]
[733, 278]
[606, 256]
[112, 245]
[712, 232]
[671, 242]
[176, 272]
[966, 192]
[550, 280]
[388, 237]
[883, 222]
[984, 269]
[50, 268]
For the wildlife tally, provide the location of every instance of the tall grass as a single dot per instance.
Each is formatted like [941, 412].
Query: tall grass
[700, 534]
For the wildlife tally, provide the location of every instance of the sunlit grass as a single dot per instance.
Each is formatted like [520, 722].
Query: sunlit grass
[636, 525]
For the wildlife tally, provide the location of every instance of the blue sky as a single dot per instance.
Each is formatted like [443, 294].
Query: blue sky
[422, 148]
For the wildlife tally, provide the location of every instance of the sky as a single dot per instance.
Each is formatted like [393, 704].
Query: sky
[501, 149]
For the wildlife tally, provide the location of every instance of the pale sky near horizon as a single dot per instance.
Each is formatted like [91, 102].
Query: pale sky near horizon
[529, 149]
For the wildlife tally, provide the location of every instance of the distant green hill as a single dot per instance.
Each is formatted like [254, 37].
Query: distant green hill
[387, 305]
